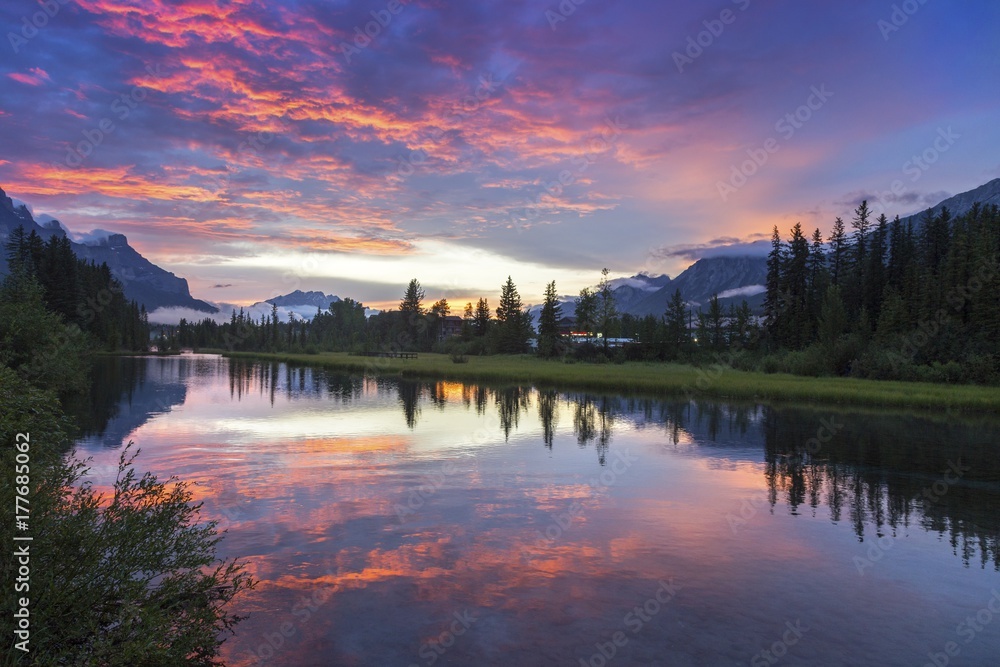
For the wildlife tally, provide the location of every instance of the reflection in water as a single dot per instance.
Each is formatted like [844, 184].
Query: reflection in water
[548, 415]
[126, 393]
[407, 501]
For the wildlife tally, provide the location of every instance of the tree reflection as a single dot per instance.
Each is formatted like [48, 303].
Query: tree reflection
[409, 397]
[511, 401]
[890, 473]
[878, 473]
[548, 415]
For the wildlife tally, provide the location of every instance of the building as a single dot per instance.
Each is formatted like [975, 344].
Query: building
[450, 325]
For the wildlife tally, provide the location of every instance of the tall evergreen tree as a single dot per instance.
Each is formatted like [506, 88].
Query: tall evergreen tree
[862, 227]
[548, 323]
[677, 338]
[819, 276]
[481, 323]
[874, 271]
[512, 324]
[773, 301]
[586, 311]
[838, 251]
[606, 311]
[411, 303]
[712, 334]
[795, 322]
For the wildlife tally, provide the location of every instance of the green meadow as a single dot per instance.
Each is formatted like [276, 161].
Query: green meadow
[660, 379]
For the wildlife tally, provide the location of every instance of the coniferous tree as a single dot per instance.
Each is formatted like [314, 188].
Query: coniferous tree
[819, 278]
[874, 272]
[586, 311]
[548, 323]
[833, 318]
[512, 325]
[794, 323]
[712, 334]
[773, 298]
[412, 299]
[481, 323]
[677, 338]
[838, 251]
[606, 311]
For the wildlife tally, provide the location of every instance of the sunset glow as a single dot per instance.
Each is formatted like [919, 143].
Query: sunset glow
[462, 142]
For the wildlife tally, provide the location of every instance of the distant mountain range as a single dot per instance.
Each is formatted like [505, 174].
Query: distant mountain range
[142, 280]
[300, 298]
[733, 278]
[962, 203]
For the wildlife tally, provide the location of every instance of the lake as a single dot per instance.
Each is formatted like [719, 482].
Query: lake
[401, 522]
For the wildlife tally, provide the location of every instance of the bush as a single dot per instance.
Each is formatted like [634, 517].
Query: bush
[586, 352]
[814, 361]
[126, 580]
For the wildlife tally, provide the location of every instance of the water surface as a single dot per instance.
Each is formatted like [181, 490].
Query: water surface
[417, 523]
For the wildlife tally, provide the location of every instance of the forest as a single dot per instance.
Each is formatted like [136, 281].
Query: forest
[879, 299]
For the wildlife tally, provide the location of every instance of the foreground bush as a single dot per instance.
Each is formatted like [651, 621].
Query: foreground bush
[127, 578]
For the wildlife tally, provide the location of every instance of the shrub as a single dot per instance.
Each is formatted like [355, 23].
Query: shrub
[126, 580]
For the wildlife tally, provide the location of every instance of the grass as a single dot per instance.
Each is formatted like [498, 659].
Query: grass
[662, 380]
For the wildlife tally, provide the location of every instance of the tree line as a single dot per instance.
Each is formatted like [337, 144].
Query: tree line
[913, 300]
[888, 300]
[82, 294]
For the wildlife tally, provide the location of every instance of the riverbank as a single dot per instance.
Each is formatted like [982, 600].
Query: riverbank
[660, 379]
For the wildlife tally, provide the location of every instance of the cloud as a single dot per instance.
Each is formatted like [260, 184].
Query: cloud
[723, 247]
[748, 290]
[93, 237]
[34, 77]
[241, 128]
[907, 201]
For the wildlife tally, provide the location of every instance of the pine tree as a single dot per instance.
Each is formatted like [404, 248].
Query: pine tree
[586, 311]
[511, 321]
[773, 298]
[714, 323]
[548, 323]
[833, 319]
[862, 227]
[482, 319]
[838, 251]
[412, 299]
[797, 327]
[819, 278]
[677, 336]
[606, 311]
[874, 273]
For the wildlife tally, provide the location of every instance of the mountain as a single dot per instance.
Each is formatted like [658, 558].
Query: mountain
[297, 304]
[630, 291]
[985, 195]
[142, 280]
[300, 298]
[732, 278]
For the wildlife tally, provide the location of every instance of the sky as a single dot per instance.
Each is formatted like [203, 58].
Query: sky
[256, 147]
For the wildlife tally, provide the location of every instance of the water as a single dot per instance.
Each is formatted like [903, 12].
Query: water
[436, 523]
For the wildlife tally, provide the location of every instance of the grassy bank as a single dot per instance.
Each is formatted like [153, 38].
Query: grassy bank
[662, 379]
